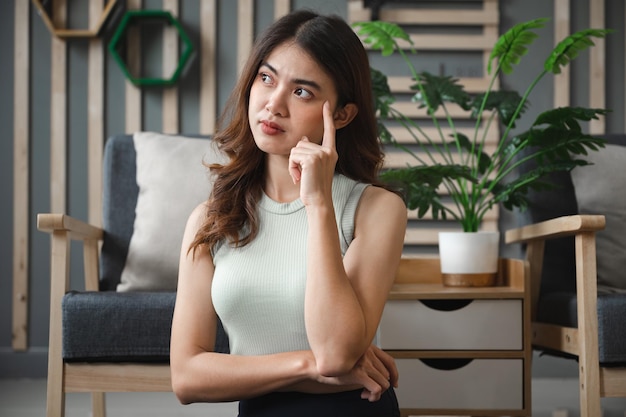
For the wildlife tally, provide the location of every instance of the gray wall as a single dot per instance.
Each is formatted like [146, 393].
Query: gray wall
[33, 362]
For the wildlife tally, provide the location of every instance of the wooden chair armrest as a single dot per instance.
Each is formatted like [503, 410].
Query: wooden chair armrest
[79, 230]
[557, 227]
[64, 228]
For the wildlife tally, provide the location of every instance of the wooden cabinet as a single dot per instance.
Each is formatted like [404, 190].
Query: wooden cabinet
[459, 351]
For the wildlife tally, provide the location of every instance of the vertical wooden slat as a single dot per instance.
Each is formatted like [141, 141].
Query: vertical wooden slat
[132, 93]
[490, 30]
[597, 92]
[58, 113]
[561, 30]
[245, 32]
[95, 114]
[356, 11]
[170, 61]
[208, 66]
[281, 8]
[20, 176]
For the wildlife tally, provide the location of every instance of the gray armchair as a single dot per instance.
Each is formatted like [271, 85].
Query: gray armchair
[103, 340]
[577, 272]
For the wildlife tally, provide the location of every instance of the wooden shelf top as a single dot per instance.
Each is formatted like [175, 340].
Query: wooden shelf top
[420, 278]
[438, 291]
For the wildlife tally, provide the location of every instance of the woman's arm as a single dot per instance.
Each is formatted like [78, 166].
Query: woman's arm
[345, 297]
[201, 375]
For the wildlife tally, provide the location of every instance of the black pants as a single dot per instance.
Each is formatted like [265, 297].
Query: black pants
[296, 404]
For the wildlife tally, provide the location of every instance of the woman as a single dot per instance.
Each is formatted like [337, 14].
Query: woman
[297, 247]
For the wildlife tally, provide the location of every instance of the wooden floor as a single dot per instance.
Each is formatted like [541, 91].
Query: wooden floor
[27, 398]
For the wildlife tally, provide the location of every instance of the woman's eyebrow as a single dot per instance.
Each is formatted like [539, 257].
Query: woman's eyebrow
[302, 81]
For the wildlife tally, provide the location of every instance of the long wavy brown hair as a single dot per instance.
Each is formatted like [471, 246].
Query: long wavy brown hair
[232, 207]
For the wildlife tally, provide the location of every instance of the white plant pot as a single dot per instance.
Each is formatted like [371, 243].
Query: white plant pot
[469, 259]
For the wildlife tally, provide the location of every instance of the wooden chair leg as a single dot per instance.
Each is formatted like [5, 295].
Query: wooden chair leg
[98, 404]
[55, 397]
[588, 360]
[59, 272]
[589, 397]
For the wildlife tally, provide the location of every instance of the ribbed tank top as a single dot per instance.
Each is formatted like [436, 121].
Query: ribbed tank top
[258, 290]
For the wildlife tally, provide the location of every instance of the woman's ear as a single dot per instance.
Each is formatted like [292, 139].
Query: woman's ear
[344, 115]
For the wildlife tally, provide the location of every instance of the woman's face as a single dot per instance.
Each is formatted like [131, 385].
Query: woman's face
[286, 100]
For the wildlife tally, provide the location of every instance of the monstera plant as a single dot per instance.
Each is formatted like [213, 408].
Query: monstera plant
[474, 179]
[475, 176]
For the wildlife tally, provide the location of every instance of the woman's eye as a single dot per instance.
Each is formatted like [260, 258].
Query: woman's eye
[301, 92]
[265, 78]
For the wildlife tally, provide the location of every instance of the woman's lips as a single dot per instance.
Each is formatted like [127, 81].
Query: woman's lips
[270, 128]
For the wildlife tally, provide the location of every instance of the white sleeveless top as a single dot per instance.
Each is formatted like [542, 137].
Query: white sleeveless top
[258, 290]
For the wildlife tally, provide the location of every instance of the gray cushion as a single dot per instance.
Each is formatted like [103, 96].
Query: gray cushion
[172, 180]
[121, 327]
[560, 308]
[601, 189]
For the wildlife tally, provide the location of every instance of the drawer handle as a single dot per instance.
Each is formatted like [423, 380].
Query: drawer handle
[446, 364]
[446, 305]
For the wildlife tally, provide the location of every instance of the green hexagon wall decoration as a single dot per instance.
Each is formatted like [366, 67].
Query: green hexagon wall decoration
[133, 17]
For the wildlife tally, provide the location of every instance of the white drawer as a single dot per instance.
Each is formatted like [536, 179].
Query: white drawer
[468, 325]
[482, 384]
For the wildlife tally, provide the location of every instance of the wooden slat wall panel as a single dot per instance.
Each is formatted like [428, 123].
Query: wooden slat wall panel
[58, 113]
[281, 8]
[21, 168]
[208, 80]
[402, 159]
[404, 137]
[488, 15]
[411, 110]
[170, 61]
[133, 94]
[245, 31]
[491, 215]
[449, 42]
[597, 66]
[425, 236]
[95, 122]
[421, 233]
[561, 30]
[403, 84]
[491, 30]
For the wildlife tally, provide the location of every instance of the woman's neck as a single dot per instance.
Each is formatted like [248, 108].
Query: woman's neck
[278, 183]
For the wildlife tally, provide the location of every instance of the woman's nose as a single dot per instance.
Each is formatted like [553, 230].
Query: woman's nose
[276, 104]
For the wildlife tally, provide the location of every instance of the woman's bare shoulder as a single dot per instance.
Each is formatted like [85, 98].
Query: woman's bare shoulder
[380, 197]
[198, 215]
[380, 206]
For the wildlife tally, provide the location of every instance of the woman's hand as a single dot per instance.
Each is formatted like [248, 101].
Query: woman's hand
[375, 371]
[313, 165]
